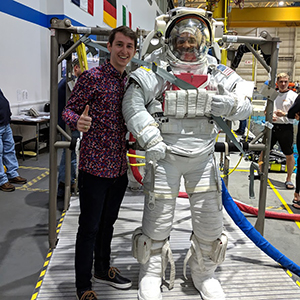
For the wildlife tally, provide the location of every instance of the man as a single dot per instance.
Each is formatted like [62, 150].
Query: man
[294, 113]
[175, 128]
[282, 131]
[75, 133]
[94, 108]
[7, 150]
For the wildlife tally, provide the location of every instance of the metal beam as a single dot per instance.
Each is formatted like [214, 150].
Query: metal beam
[264, 17]
[215, 3]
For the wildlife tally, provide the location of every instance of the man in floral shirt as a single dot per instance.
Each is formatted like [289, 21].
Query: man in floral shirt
[94, 108]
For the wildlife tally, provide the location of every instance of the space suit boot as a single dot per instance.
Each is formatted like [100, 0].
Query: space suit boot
[204, 259]
[204, 281]
[150, 277]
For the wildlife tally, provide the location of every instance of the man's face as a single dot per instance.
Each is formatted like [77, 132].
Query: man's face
[121, 51]
[186, 46]
[77, 71]
[283, 84]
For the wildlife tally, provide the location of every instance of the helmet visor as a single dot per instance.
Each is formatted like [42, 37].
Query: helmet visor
[189, 39]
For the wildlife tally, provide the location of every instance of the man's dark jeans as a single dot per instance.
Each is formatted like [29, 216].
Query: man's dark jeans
[100, 201]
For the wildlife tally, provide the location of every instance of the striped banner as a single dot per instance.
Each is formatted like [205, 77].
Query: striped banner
[110, 13]
[126, 15]
[130, 20]
[86, 5]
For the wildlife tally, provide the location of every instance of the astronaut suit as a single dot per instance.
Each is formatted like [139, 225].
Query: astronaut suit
[175, 128]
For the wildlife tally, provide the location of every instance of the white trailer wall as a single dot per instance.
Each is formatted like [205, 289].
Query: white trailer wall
[25, 42]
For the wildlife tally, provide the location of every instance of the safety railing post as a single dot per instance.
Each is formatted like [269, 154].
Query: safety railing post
[53, 132]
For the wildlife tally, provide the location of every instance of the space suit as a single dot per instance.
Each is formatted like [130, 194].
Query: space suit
[176, 129]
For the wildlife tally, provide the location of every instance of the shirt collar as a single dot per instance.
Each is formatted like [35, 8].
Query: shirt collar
[113, 70]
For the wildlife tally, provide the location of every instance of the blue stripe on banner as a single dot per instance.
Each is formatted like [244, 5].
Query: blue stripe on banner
[24, 12]
[77, 2]
[31, 15]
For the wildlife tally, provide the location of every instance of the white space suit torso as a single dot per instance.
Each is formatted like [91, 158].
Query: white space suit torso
[185, 132]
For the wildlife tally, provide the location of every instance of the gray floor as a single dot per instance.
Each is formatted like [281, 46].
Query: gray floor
[24, 229]
[247, 273]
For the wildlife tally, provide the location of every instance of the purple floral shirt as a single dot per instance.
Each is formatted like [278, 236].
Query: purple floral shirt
[103, 147]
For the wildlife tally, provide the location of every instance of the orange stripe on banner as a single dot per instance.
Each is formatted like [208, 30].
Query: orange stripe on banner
[109, 20]
[110, 9]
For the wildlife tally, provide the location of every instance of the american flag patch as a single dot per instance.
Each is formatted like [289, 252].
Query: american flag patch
[225, 70]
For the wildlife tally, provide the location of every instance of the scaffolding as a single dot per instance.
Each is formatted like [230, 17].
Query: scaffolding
[61, 31]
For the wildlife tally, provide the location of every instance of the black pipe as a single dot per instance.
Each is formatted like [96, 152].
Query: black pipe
[220, 147]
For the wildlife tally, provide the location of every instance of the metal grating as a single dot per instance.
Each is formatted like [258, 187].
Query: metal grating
[247, 272]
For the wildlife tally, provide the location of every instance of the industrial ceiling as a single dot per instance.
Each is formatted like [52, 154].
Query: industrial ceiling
[251, 13]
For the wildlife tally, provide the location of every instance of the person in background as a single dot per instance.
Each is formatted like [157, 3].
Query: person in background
[294, 113]
[297, 86]
[242, 127]
[75, 133]
[7, 150]
[94, 108]
[282, 131]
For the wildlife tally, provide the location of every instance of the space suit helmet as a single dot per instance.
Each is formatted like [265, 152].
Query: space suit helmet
[188, 35]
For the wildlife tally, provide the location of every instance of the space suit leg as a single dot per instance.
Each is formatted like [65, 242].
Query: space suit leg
[153, 256]
[203, 266]
[152, 240]
[208, 245]
[150, 276]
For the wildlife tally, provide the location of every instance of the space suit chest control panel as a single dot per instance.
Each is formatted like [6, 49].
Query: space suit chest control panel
[190, 103]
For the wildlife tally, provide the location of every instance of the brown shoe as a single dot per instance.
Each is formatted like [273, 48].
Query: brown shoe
[18, 179]
[7, 187]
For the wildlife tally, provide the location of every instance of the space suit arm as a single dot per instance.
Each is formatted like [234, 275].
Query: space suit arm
[138, 120]
[138, 97]
[231, 106]
[236, 93]
[242, 94]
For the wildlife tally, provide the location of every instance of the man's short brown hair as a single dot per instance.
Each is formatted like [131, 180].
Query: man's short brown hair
[126, 31]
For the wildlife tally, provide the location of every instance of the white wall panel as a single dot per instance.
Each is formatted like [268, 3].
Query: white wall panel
[25, 46]
[25, 62]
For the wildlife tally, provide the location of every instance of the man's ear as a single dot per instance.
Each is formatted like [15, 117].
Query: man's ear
[108, 46]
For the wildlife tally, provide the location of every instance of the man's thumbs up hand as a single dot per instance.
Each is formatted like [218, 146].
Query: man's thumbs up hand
[84, 122]
[86, 111]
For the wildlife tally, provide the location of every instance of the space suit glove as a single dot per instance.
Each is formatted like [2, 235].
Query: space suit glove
[222, 105]
[156, 152]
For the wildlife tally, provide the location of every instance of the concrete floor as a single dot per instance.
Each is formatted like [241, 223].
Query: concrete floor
[24, 230]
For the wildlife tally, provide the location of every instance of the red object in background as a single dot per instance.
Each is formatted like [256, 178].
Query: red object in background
[132, 160]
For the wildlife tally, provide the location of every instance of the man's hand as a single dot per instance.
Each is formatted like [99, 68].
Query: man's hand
[280, 113]
[84, 122]
[156, 152]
